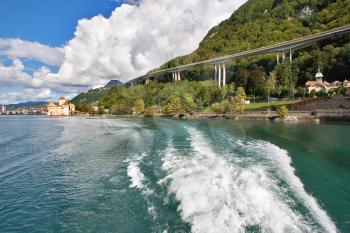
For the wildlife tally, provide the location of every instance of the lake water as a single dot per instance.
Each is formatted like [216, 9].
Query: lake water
[159, 175]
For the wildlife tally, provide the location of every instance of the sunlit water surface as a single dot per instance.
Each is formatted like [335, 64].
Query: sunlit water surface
[158, 175]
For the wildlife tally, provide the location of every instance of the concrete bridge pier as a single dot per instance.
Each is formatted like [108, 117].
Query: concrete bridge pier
[220, 74]
[284, 57]
[219, 78]
[176, 76]
[223, 75]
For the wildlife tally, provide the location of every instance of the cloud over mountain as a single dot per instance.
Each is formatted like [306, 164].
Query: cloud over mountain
[137, 37]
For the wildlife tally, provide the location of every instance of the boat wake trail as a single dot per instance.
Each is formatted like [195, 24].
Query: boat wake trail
[245, 187]
[137, 179]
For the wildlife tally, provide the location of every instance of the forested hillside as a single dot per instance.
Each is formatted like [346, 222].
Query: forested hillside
[94, 95]
[263, 22]
[90, 96]
[257, 23]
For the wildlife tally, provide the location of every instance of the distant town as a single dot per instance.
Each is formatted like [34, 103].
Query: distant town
[23, 110]
[62, 108]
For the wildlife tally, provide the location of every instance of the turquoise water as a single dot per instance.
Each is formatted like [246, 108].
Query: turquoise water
[159, 175]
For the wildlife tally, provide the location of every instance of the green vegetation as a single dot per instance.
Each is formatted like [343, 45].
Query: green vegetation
[91, 96]
[139, 107]
[151, 111]
[173, 99]
[271, 104]
[257, 23]
[264, 22]
[282, 111]
[87, 108]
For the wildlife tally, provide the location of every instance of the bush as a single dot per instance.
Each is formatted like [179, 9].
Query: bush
[150, 111]
[139, 107]
[218, 108]
[120, 109]
[340, 91]
[189, 105]
[239, 100]
[282, 111]
[168, 110]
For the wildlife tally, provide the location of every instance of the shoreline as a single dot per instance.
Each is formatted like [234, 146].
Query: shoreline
[317, 116]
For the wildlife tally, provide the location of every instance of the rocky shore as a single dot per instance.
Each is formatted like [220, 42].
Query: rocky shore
[292, 117]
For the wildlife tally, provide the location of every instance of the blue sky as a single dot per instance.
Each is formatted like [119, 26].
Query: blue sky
[50, 22]
[52, 48]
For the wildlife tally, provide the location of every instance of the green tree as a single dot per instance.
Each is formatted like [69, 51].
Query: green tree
[239, 100]
[150, 111]
[139, 106]
[256, 82]
[270, 86]
[176, 105]
[188, 104]
[242, 77]
[284, 77]
[168, 110]
[231, 89]
[120, 109]
[282, 111]
[218, 108]
[86, 108]
[101, 110]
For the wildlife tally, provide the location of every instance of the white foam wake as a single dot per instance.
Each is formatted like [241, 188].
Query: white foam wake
[138, 180]
[287, 172]
[220, 195]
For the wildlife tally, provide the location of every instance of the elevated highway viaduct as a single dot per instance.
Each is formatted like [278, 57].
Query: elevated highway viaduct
[219, 62]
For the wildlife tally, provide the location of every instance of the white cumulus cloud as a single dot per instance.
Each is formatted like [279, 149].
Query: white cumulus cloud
[16, 48]
[140, 35]
[26, 95]
[138, 38]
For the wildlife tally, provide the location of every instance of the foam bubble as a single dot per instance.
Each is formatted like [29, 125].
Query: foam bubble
[217, 194]
[286, 171]
[138, 181]
[137, 178]
[136, 175]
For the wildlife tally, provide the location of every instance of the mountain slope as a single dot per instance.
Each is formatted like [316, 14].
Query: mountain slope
[90, 96]
[113, 83]
[26, 105]
[94, 95]
[263, 22]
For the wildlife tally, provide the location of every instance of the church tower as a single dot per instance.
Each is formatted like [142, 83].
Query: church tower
[61, 101]
[319, 75]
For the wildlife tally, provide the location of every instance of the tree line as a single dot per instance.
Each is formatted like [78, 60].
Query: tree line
[170, 99]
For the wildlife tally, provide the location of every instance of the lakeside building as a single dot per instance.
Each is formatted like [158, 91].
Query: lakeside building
[62, 108]
[3, 109]
[320, 85]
